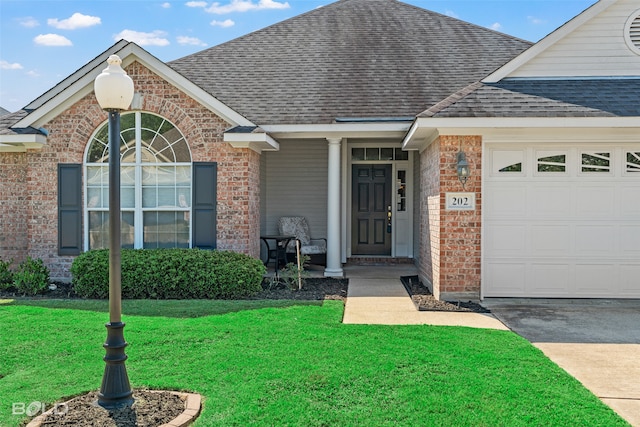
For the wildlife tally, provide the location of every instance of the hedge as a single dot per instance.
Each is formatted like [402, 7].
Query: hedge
[169, 274]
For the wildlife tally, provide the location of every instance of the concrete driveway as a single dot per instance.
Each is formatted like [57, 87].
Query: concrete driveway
[596, 341]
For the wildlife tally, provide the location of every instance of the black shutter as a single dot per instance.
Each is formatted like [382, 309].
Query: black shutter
[69, 209]
[205, 182]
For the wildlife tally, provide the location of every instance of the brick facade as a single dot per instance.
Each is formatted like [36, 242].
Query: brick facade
[13, 213]
[29, 181]
[450, 258]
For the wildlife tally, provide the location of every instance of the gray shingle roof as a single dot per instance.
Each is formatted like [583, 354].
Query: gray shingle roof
[10, 119]
[352, 58]
[545, 98]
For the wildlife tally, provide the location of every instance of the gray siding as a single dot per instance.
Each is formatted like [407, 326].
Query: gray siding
[295, 184]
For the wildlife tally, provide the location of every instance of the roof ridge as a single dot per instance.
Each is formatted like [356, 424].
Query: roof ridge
[451, 99]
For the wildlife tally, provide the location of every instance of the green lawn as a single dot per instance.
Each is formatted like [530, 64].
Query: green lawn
[270, 363]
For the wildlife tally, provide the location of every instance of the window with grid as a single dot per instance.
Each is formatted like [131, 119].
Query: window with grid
[155, 185]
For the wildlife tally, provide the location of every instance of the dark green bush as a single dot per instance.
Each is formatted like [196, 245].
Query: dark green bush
[170, 274]
[31, 277]
[6, 276]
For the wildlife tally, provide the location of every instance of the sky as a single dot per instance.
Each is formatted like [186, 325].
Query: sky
[44, 41]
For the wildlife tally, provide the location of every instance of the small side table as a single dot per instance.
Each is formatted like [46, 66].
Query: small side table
[278, 252]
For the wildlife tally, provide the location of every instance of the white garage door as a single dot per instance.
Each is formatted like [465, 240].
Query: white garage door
[562, 222]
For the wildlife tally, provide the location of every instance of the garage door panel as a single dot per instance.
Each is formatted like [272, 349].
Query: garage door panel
[630, 240]
[506, 277]
[595, 202]
[549, 279]
[629, 201]
[630, 280]
[548, 239]
[506, 239]
[595, 239]
[596, 280]
[507, 201]
[551, 202]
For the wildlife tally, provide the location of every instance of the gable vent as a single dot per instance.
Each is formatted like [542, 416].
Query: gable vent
[632, 32]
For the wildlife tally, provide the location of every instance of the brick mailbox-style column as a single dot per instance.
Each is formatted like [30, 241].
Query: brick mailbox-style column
[450, 239]
[31, 176]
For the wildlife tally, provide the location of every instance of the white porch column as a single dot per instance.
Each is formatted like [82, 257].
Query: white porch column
[334, 266]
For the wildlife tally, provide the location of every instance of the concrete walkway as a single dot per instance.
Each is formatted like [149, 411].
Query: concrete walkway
[376, 296]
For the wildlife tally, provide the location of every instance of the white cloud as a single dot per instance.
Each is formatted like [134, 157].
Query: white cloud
[52, 40]
[155, 38]
[196, 4]
[245, 6]
[28, 22]
[536, 21]
[224, 24]
[166, 5]
[194, 41]
[77, 20]
[451, 14]
[33, 73]
[8, 66]
[496, 26]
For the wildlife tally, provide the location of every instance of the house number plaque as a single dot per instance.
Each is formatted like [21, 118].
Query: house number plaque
[460, 201]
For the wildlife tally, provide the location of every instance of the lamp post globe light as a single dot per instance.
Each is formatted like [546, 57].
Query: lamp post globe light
[114, 91]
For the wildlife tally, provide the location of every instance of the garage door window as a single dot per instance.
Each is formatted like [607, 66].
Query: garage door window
[507, 162]
[633, 161]
[552, 162]
[596, 162]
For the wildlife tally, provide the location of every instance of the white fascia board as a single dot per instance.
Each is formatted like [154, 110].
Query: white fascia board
[585, 129]
[129, 54]
[562, 136]
[339, 130]
[470, 124]
[10, 148]
[28, 141]
[257, 142]
[419, 138]
[548, 41]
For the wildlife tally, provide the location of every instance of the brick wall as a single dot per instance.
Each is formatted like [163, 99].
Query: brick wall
[450, 257]
[36, 208]
[13, 213]
[429, 246]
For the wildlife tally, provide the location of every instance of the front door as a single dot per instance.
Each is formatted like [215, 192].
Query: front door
[371, 210]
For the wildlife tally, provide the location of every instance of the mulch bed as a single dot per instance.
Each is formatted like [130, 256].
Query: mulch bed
[425, 301]
[313, 288]
[149, 409]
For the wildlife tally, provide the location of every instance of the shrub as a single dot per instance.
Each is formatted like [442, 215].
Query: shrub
[31, 277]
[6, 276]
[169, 274]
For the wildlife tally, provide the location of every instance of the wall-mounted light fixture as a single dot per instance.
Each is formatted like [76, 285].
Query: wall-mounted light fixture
[462, 168]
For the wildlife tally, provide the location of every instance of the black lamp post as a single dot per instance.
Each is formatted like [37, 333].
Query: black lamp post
[114, 91]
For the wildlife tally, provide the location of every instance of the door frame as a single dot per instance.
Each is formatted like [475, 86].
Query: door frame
[398, 248]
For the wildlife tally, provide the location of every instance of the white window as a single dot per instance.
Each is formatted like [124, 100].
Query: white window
[633, 161]
[155, 185]
[596, 162]
[507, 162]
[551, 162]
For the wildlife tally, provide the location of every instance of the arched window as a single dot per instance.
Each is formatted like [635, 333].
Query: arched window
[155, 185]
